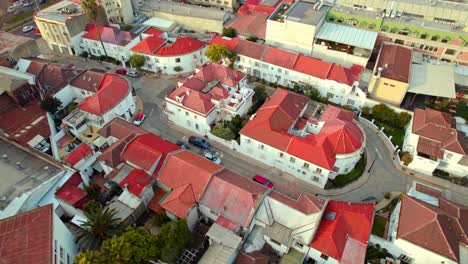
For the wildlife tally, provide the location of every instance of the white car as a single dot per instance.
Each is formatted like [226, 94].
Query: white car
[27, 29]
[212, 157]
[17, 4]
[139, 119]
[132, 73]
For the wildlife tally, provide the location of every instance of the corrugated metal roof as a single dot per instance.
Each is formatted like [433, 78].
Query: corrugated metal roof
[347, 35]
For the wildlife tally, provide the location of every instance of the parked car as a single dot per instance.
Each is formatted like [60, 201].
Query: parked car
[370, 199]
[133, 74]
[182, 144]
[139, 119]
[27, 29]
[122, 71]
[211, 156]
[263, 181]
[199, 142]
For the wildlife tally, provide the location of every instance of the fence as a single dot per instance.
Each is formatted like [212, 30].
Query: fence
[230, 144]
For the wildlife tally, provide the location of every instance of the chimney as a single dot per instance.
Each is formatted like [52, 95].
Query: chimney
[379, 72]
[126, 186]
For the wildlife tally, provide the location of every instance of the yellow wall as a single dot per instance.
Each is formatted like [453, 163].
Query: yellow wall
[388, 90]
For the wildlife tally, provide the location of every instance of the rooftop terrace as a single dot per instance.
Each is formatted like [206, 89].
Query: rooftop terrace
[60, 11]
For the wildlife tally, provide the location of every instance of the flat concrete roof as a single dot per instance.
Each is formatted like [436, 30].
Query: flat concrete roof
[304, 12]
[10, 41]
[434, 80]
[56, 12]
[20, 172]
[352, 36]
[183, 9]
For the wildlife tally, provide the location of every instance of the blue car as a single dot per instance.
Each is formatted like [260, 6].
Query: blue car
[182, 144]
[199, 142]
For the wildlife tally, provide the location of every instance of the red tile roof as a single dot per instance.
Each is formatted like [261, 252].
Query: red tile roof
[254, 6]
[231, 43]
[252, 258]
[395, 61]
[14, 118]
[342, 75]
[234, 197]
[437, 133]
[226, 223]
[89, 80]
[280, 58]
[179, 201]
[120, 128]
[251, 24]
[181, 46]
[438, 229]
[111, 92]
[149, 45]
[428, 190]
[70, 191]
[153, 31]
[28, 237]
[78, 153]
[147, 150]
[136, 181]
[339, 135]
[109, 35]
[191, 95]
[305, 203]
[312, 66]
[111, 156]
[185, 172]
[344, 231]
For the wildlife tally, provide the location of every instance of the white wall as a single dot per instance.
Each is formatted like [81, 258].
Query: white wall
[64, 241]
[189, 119]
[192, 218]
[338, 57]
[121, 53]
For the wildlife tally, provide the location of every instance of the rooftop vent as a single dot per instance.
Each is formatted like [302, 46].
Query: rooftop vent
[330, 216]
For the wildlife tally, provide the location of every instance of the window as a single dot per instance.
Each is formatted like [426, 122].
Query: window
[315, 179]
[226, 2]
[292, 159]
[61, 253]
[177, 60]
[286, 72]
[350, 102]
[264, 66]
[449, 155]
[281, 154]
[196, 127]
[330, 95]
[247, 140]
[306, 165]
[156, 60]
[186, 113]
[450, 52]
[257, 64]
[323, 256]
[68, 259]
[319, 170]
[260, 146]
[279, 70]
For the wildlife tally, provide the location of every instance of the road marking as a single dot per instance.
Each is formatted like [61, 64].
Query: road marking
[151, 112]
[378, 153]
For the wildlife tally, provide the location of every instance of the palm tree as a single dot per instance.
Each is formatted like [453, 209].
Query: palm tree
[99, 226]
[91, 10]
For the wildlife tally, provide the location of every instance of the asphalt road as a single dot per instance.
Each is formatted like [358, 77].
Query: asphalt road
[30, 34]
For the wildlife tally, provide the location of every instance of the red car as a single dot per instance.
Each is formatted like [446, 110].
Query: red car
[263, 181]
[122, 71]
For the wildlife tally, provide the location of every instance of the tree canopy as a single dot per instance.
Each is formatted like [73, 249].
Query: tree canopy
[137, 60]
[99, 226]
[230, 32]
[51, 104]
[217, 52]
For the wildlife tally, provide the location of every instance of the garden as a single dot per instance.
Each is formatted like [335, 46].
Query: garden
[345, 179]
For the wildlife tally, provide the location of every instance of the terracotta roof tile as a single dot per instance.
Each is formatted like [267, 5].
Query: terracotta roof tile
[27, 237]
[179, 201]
[109, 35]
[343, 225]
[280, 58]
[305, 203]
[181, 46]
[70, 191]
[438, 229]
[78, 153]
[252, 24]
[149, 45]
[395, 61]
[89, 80]
[233, 196]
[136, 181]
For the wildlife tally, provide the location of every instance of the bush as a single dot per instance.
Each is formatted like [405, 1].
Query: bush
[137, 60]
[84, 54]
[252, 38]
[229, 32]
[345, 179]
[127, 27]
[388, 195]
[406, 158]
[222, 131]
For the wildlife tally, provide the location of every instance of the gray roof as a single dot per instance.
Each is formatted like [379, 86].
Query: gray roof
[54, 12]
[183, 9]
[304, 12]
[434, 80]
[279, 233]
[21, 172]
[224, 236]
[352, 36]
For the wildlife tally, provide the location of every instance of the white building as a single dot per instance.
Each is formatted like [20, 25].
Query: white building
[170, 55]
[281, 67]
[211, 94]
[116, 42]
[434, 143]
[101, 97]
[314, 143]
[426, 230]
[290, 223]
[118, 11]
[35, 235]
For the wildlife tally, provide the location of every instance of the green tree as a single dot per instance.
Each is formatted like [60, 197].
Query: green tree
[252, 38]
[174, 238]
[51, 104]
[229, 32]
[93, 190]
[88, 257]
[216, 53]
[406, 158]
[366, 110]
[84, 54]
[99, 226]
[258, 98]
[92, 11]
[137, 60]
[91, 206]
[384, 114]
[403, 119]
[223, 131]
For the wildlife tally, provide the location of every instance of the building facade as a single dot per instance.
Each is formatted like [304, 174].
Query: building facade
[118, 11]
[314, 143]
[61, 25]
[213, 93]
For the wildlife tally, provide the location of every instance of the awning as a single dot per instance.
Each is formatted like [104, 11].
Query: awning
[351, 36]
[433, 80]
